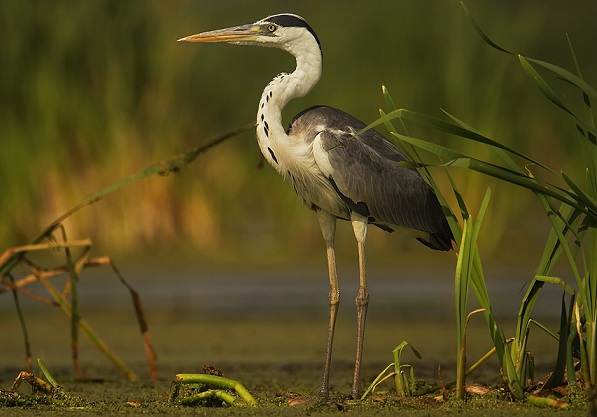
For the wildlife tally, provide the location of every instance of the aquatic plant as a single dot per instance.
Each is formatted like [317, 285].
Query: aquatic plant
[573, 230]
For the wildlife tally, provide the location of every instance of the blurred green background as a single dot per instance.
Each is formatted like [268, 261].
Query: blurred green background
[91, 91]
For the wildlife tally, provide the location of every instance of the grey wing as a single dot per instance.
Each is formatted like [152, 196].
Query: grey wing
[366, 172]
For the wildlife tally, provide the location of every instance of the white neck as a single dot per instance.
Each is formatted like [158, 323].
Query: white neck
[282, 89]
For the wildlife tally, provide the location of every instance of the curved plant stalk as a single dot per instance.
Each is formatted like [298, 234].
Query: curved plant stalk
[544, 328]
[381, 377]
[212, 380]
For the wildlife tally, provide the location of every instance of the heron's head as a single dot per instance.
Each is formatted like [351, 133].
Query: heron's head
[285, 31]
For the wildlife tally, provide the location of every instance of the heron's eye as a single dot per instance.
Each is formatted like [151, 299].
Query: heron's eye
[272, 28]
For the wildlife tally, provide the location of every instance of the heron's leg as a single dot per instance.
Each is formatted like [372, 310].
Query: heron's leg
[327, 222]
[359, 225]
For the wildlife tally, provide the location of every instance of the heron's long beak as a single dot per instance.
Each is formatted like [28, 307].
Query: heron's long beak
[232, 34]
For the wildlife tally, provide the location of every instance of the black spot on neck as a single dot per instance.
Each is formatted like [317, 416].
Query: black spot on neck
[272, 154]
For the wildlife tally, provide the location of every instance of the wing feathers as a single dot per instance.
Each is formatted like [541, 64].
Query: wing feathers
[366, 173]
[376, 186]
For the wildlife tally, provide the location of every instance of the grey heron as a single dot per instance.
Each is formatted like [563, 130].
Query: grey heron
[338, 174]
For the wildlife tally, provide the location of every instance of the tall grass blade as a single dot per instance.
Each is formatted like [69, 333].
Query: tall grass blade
[559, 230]
[590, 201]
[480, 31]
[459, 199]
[46, 373]
[592, 158]
[450, 128]
[457, 159]
[564, 74]
[549, 92]
[462, 278]
[504, 156]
